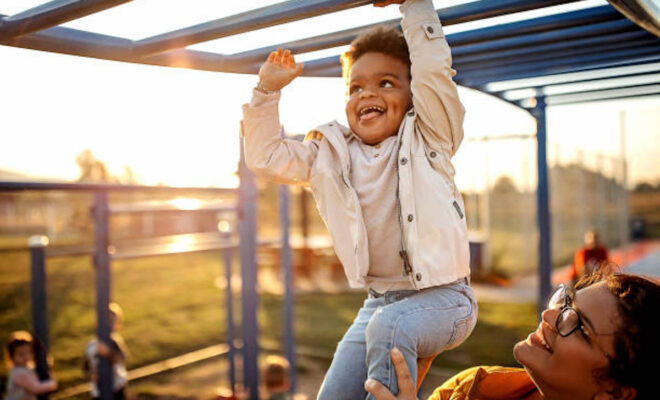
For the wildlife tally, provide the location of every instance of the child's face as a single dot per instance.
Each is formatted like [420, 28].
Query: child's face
[22, 355]
[378, 96]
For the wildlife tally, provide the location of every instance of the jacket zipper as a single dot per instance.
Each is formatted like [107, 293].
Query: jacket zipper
[403, 253]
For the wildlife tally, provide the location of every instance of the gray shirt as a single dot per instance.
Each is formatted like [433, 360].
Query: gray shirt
[374, 177]
[15, 392]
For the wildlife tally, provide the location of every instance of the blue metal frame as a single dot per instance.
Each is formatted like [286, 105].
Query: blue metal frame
[38, 306]
[101, 214]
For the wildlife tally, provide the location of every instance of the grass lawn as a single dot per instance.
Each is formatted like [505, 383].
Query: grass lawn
[175, 304]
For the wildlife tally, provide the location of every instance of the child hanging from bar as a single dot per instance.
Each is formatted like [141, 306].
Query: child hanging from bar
[116, 354]
[22, 382]
[385, 189]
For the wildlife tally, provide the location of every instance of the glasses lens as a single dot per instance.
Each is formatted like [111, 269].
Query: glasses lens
[558, 297]
[567, 321]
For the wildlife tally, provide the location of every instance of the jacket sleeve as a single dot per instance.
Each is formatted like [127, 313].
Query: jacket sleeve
[435, 95]
[266, 153]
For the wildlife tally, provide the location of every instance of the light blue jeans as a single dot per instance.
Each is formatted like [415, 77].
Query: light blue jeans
[419, 323]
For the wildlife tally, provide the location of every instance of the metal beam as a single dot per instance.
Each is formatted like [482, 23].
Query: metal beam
[95, 187]
[582, 76]
[101, 261]
[39, 296]
[562, 28]
[580, 63]
[555, 22]
[449, 16]
[52, 14]
[260, 18]
[536, 39]
[543, 205]
[561, 56]
[607, 94]
[572, 88]
[545, 48]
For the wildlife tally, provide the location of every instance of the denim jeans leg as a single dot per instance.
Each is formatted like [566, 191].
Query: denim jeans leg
[421, 325]
[348, 371]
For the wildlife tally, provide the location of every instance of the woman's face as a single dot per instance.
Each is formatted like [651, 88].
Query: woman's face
[566, 367]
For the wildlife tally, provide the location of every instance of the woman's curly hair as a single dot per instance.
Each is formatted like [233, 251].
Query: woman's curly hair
[381, 39]
[636, 348]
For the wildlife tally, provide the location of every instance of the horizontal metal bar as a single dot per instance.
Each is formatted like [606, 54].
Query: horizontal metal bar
[582, 76]
[559, 57]
[95, 187]
[614, 59]
[573, 88]
[576, 29]
[545, 48]
[536, 39]
[52, 14]
[601, 95]
[276, 14]
[554, 22]
[169, 208]
[449, 16]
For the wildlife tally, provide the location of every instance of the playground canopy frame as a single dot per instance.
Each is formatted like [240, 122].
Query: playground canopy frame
[596, 45]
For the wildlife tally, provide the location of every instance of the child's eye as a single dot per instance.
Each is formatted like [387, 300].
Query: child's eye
[354, 89]
[386, 84]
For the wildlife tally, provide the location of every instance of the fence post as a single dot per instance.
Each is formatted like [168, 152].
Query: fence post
[37, 246]
[100, 213]
[248, 233]
[229, 304]
[543, 204]
[287, 276]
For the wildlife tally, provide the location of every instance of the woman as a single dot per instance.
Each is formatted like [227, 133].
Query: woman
[599, 343]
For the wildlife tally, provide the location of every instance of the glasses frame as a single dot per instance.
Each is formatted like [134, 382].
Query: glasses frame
[566, 307]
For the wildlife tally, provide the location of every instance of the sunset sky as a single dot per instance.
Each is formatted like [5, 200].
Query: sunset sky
[180, 127]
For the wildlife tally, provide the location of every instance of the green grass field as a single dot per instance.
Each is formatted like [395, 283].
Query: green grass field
[175, 304]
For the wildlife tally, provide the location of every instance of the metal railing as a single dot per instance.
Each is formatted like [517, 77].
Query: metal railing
[104, 252]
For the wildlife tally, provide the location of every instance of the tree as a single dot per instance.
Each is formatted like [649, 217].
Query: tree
[505, 185]
[92, 169]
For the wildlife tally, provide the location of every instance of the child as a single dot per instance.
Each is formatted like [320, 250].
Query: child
[115, 354]
[385, 189]
[23, 383]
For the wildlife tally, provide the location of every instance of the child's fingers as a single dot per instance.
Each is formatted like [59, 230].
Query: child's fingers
[272, 56]
[299, 68]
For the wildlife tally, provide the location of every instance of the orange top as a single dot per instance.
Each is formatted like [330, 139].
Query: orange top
[487, 383]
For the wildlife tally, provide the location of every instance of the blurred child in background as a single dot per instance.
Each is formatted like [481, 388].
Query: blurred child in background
[22, 382]
[115, 353]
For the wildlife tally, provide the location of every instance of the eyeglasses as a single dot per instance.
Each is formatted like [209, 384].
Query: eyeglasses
[569, 319]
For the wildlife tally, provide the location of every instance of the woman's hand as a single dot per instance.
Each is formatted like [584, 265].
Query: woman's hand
[385, 3]
[406, 385]
[279, 70]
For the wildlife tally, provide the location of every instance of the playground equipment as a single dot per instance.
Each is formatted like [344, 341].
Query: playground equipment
[531, 63]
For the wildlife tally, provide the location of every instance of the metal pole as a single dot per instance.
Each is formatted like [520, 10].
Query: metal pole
[248, 232]
[39, 311]
[229, 304]
[543, 204]
[100, 212]
[625, 207]
[289, 339]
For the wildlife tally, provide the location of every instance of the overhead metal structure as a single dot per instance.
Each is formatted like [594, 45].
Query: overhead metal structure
[607, 51]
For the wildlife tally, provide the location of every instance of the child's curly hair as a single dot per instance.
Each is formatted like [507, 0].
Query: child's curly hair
[381, 39]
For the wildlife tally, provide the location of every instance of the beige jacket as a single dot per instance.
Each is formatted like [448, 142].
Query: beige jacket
[432, 220]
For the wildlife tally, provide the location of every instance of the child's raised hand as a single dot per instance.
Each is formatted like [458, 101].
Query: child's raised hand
[279, 70]
[384, 3]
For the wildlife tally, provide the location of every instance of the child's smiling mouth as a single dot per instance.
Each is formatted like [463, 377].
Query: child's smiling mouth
[370, 113]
